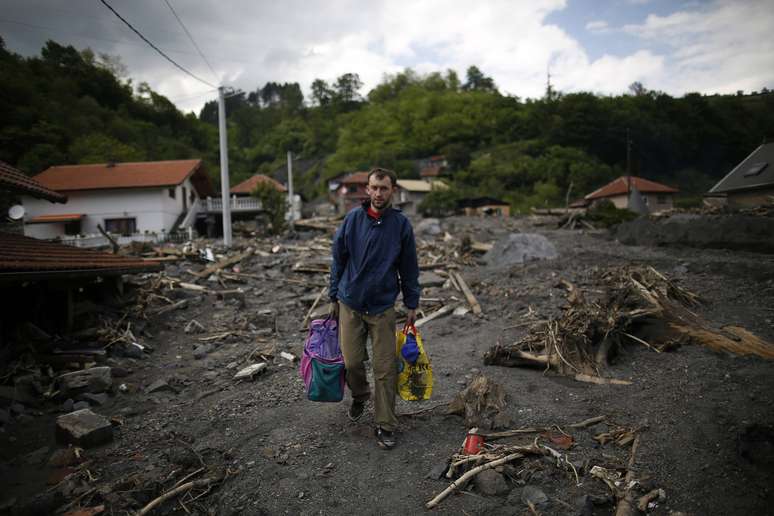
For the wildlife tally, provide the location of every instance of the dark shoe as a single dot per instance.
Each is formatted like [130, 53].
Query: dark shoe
[356, 410]
[385, 439]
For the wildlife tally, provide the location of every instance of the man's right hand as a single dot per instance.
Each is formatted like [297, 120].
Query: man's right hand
[333, 310]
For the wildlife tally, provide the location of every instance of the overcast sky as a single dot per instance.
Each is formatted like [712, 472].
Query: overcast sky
[600, 46]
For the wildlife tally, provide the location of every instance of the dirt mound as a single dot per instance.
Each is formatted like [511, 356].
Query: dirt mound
[521, 247]
[738, 232]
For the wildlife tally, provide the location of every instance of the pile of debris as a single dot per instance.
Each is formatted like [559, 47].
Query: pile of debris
[638, 304]
[568, 453]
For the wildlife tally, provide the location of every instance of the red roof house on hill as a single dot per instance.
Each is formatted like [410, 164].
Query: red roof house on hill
[351, 191]
[124, 198]
[247, 186]
[657, 196]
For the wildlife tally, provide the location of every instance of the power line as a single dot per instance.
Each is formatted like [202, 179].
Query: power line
[155, 47]
[191, 38]
[59, 31]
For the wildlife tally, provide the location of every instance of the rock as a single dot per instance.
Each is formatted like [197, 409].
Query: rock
[200, 352]
[10, 394]
[95, 379]
[519, 248]
[133, 350]
[491, 483]
[63, 457]
[17, 409]
[430, 279]
[29, 384]
[514, 498]
[160, 386]
[37, 457]
[24, 419]
[460, 311]
[80, 405]
[67, 406]
[84, 428]
[265, 318]
[428, 227]
[533, 495]
[94, 399]
[5, 417]
[438, 471]
[120, 372]
[250, 371]
[584, 506]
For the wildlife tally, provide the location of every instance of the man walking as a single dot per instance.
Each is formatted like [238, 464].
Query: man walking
[374, 258]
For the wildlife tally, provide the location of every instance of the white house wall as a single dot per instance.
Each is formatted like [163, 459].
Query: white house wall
[152, 208]
[44, 231]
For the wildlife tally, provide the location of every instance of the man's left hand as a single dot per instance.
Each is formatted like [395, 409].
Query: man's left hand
[411, 317]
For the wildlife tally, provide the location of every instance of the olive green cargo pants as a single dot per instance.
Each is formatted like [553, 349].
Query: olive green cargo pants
[354, 327]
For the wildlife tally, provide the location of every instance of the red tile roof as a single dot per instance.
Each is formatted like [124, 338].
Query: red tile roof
[248, 185]
[17, 181]
[620, 186]
[356, 178]
[62, 217]
[24, 257]
[120, 175]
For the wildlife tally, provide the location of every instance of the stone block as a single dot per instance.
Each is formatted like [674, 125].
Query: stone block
[84, 428]
[95, 379]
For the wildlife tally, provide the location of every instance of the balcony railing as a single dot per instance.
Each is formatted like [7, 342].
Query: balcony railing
[236, 204]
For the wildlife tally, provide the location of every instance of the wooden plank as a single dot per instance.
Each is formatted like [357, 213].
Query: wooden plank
[438, 313]
[222, 264]
[472, 301]
[314, 305]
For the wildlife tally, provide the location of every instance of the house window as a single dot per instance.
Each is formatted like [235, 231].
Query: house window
[755, 169]
[661, 199]
[123, 227]
[73, 228]
[171, 192]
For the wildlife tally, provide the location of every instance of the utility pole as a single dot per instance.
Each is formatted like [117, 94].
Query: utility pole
[290, 189]
[224, 182]
[628, 162]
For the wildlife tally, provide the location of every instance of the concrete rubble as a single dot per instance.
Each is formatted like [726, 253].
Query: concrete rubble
[84, 428]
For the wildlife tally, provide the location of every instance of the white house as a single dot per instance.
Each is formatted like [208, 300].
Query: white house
[124, 198]
[411, 192]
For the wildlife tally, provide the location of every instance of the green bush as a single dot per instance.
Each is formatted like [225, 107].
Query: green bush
[275, 206]
[440, 203]
[605, 214]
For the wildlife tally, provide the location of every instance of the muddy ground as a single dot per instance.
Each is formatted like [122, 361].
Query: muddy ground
[703, 416]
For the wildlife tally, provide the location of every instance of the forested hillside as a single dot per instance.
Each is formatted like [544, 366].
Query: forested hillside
[70, 106]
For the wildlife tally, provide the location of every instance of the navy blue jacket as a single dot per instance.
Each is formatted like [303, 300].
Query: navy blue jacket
[373, 260]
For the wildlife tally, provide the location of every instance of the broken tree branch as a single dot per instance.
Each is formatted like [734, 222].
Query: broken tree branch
[176, 491]
[460, 482]
[626, 505]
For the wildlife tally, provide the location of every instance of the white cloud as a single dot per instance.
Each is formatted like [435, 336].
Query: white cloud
[596, 26]
[720, 48]
[716, 47]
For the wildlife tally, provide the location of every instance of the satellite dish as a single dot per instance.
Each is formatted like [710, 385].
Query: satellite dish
[16, 212]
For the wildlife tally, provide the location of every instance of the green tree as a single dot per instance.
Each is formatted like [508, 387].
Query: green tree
[274, 205]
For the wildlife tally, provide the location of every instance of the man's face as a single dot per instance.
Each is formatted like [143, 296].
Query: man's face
[380, 191]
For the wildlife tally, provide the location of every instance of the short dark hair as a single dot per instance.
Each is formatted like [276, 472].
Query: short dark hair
[381, 173]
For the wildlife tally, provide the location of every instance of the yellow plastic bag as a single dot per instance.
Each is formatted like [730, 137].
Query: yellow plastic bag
[415, 374]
